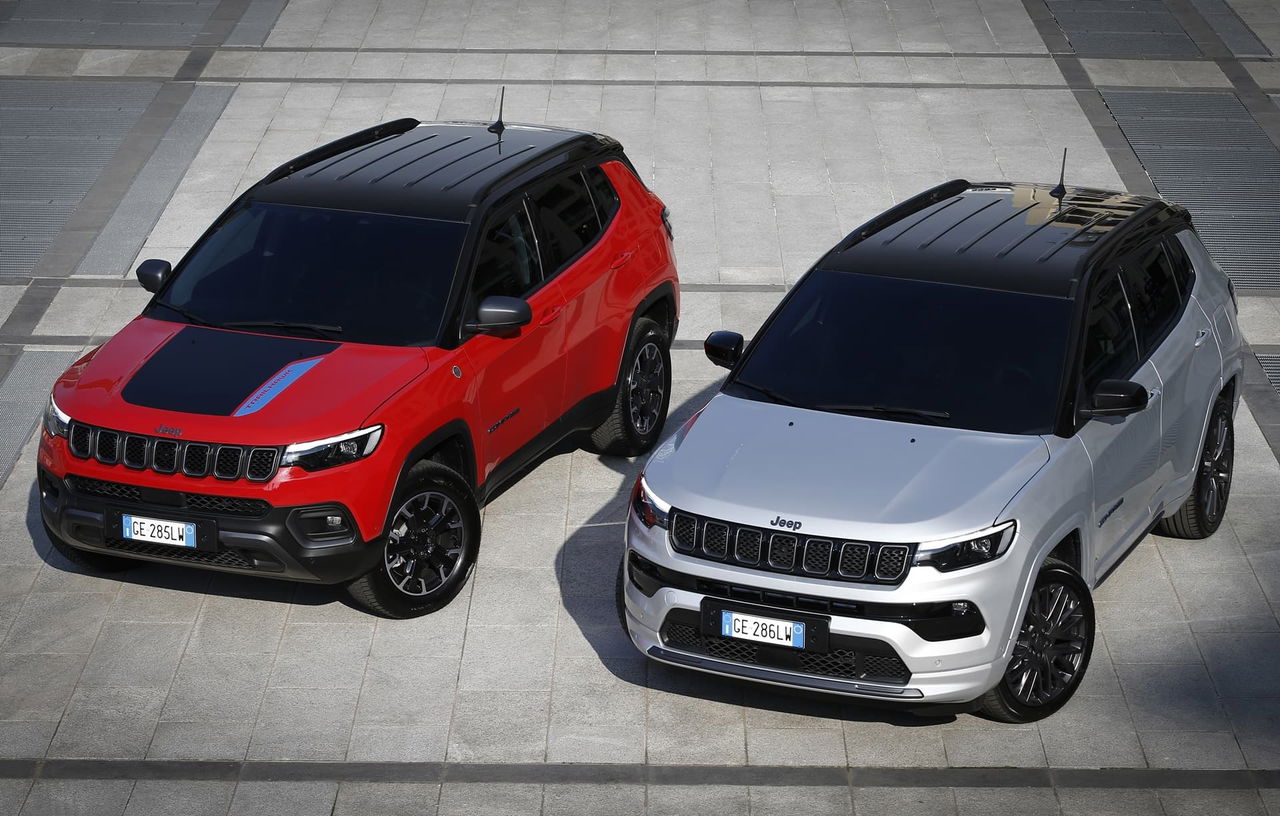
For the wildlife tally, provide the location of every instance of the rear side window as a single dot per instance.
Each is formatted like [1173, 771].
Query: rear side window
[1182, 270]
[508, 263]
[1153, 295]
[602, 192]
[567, 220]
[1110, 350]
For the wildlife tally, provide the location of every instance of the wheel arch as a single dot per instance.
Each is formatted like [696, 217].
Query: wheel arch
[451, 445]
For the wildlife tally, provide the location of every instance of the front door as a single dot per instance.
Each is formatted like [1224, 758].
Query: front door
[1123, 450]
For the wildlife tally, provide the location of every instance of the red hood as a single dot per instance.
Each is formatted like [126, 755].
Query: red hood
[216, 385]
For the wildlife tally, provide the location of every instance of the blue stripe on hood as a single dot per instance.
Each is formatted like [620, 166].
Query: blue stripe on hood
[275, 386]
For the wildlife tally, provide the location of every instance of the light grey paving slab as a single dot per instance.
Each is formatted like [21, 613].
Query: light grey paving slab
[1226, 803]
[135, 653]
[294, 725]
[499, 726]
[1192, 749]
[111, 722]
[1006, 802]
[832, 801]
[386, 799]
[709, 800]
[191, 798]
[1108, 802]
[77, 797]
[207, 741]
[592, 800]
[284, 799]
[482, 799]
[905, 801]
[217, 687]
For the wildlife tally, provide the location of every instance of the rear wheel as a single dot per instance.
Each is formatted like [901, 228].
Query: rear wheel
[433, 535]
[644, 394]
[1052, 651]
[1202, 512]
[86, 560]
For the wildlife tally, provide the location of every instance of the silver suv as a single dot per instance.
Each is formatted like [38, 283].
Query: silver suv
[946, 434]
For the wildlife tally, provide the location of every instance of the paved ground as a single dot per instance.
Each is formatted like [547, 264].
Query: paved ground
[770, 129]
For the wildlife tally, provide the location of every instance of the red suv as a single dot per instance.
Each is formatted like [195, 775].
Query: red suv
[365, 347]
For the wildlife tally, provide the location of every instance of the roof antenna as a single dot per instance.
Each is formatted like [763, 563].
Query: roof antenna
[497, 127]
[1061, 190]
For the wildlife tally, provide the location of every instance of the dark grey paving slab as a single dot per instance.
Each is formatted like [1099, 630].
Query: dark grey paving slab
[1143, 28]
[23, 395]
[93, 22]
[1233, 31]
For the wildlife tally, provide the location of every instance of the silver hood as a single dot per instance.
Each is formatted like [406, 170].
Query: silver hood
[842, 476]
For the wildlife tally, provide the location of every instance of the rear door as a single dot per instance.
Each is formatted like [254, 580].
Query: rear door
[517, 378]
[1123, 450]
[578, 250]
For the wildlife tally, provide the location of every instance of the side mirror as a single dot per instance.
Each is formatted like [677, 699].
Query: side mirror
[1117, 398]
[153, 273]
[498, 314]
[723, 348]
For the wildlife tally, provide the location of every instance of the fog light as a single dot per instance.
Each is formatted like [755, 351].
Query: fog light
[961, 608]
[334, 522]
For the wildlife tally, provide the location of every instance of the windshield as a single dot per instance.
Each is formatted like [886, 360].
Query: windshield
[301, 271]
[913, 351]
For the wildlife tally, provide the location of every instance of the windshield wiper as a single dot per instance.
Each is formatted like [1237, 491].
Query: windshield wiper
[317, 328]
[191, 316]
[770, 393]
[849, 408]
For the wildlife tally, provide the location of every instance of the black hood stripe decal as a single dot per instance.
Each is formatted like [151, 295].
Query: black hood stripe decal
[216, 372]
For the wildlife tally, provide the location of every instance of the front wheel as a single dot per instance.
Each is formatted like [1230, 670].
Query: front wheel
[433, 535]
[644, 394]
[1052, 650]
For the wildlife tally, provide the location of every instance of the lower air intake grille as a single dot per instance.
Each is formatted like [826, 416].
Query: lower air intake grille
[198, 502]
[679, 632]
[223, 558]
[814, 557]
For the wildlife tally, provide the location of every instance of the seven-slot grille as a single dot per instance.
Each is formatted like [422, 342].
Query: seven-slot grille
[812, 556]
[196, 459]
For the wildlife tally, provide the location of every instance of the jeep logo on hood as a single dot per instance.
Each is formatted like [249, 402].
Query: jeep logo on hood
[787, 524]
[165, 429]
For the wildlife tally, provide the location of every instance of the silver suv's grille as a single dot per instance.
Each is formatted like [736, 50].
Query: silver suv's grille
[813, 557]
[196, 459]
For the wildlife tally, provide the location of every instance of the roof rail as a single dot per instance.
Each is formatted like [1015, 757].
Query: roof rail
[896, 213]
[342, 145]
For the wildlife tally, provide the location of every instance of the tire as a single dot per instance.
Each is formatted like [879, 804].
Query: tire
[1203, 511]
[644, 394]
[433, 535]
[1023, 695]
[85, 559]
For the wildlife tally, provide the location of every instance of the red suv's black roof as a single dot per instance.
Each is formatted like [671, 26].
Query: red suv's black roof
[437, 170]
[1011, 237]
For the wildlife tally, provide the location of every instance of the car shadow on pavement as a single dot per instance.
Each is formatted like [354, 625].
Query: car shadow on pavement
[587, 571]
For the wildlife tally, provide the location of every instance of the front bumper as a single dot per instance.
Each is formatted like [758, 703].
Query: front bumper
[235, 535]
[938, 667]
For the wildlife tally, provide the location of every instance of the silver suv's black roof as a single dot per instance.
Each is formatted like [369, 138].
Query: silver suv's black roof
[1011, 237]
[437, 170]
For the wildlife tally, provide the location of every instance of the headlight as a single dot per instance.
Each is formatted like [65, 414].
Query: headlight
[336, 450]
[979, 548]
[55, 421]
[649, 509]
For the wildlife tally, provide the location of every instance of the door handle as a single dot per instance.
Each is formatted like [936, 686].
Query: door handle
[550, 316]
[622, 259]
[1201, 336]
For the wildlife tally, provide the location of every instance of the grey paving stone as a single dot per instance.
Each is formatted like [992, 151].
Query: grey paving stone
[58, 622]
[499, 726]
[322, 655]
[134, 653]
[1242, 665]
[1191, 749]
[219, 740]
[37, 687]
[77, 797]
[1108, 802]
[284, 799]
[428, 742]
[795, 746]
[191, 798]
[217, 687]
[115, 723]
[708, 800]
[592, 800]
[1006, 802]
[508, 658]
[897, 744]
[832, 801]
[21, 740]
[386, 799]
[483, 799]
[296, 725]
[1173, 698]
[1092, 732]
[994, 748]
[12, 794]
[407, 691]
[1223, 803]
[905, 801]
[1257, 729]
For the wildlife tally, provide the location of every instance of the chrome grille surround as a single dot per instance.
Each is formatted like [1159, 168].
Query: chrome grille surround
[164, 455]
[794, 553]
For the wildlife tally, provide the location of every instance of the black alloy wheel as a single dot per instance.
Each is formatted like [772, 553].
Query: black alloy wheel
[1203, 511]
[425, 543]
[646, 389]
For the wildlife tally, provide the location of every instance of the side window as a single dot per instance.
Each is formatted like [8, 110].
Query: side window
[508, 263]
[1110, 350]
[1153, 295]
[566, 220]
[602, 192]
[1183, 272]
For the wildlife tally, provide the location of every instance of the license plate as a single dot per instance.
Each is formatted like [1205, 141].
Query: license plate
[159, 531]
[762, 630]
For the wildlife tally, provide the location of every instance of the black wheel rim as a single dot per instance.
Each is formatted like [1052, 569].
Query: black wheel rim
[425, 543]
[646, 386]
[1215, 468]
[1051, 646]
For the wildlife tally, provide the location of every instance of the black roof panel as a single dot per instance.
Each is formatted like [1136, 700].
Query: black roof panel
[437, 170]
[1012, 237]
